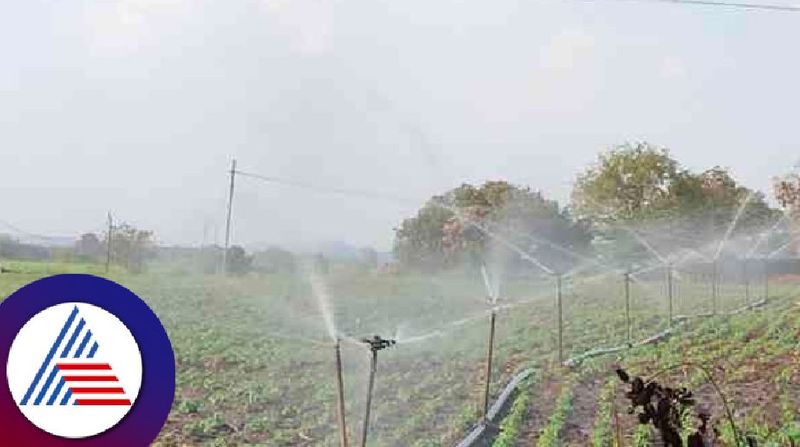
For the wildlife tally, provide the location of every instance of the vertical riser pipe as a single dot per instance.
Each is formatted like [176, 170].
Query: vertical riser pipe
[340, 398]
[489, 367]
[373, 367]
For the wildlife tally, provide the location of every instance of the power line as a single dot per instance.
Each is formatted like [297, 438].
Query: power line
[28, 234]
[328, 189]
[732, 5]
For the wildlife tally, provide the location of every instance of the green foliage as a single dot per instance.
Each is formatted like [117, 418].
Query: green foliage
[627, 182]
[452, 228]
[131, 247]
[89, 247]
[551, 433]
[641, 181]
[238, 261]
[641, 436]
[601, 434]
[512, 423]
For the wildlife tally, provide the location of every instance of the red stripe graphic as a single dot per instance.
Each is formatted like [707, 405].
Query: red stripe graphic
[90, 378]
[97, 402]
[97, 391]
[84, 366]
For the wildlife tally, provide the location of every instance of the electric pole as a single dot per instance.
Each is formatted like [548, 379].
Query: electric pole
[228, 219]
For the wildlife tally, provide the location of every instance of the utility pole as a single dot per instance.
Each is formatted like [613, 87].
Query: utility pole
[109, 235]
[228, 219]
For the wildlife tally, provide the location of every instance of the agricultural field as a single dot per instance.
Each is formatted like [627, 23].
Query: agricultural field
[255, 363]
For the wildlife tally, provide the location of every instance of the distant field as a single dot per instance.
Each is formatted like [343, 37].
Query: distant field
[255, 366]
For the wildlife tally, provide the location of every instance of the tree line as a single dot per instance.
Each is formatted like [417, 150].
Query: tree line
[637, 186]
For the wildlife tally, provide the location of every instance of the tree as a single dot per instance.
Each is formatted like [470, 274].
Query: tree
[89, 247]
[131, 247]
[455, 227]
[639, 183]
[238, 262]
[628, 182]
[787, 192]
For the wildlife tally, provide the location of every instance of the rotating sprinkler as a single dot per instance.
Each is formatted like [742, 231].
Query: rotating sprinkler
[375, 344]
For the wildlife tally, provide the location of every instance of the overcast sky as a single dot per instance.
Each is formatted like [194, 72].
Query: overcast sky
[137, 106]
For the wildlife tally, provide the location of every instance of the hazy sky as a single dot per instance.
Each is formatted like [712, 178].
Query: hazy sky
[138, 105]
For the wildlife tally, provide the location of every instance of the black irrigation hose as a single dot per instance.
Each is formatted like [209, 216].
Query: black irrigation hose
[479, 431]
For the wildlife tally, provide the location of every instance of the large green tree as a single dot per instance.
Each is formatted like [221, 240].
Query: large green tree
[635, 182]
[640, 187]
[468, 222]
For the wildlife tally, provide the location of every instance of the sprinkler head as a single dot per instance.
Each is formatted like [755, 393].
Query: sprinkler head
[376, 343]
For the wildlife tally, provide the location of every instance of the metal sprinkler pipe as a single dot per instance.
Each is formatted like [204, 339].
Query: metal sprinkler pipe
[669, 294]
[746, 280]
[375, 344]
[766, 279]
[492, 320]
[340, 396]
[714, 287]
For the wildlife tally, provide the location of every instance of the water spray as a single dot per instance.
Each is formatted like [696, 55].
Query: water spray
[375, 344]
[340, 396]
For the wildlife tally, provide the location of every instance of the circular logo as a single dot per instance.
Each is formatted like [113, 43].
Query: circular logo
[81, 387]
[87, 363]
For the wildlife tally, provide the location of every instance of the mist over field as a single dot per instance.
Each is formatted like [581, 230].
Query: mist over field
[425, 224]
